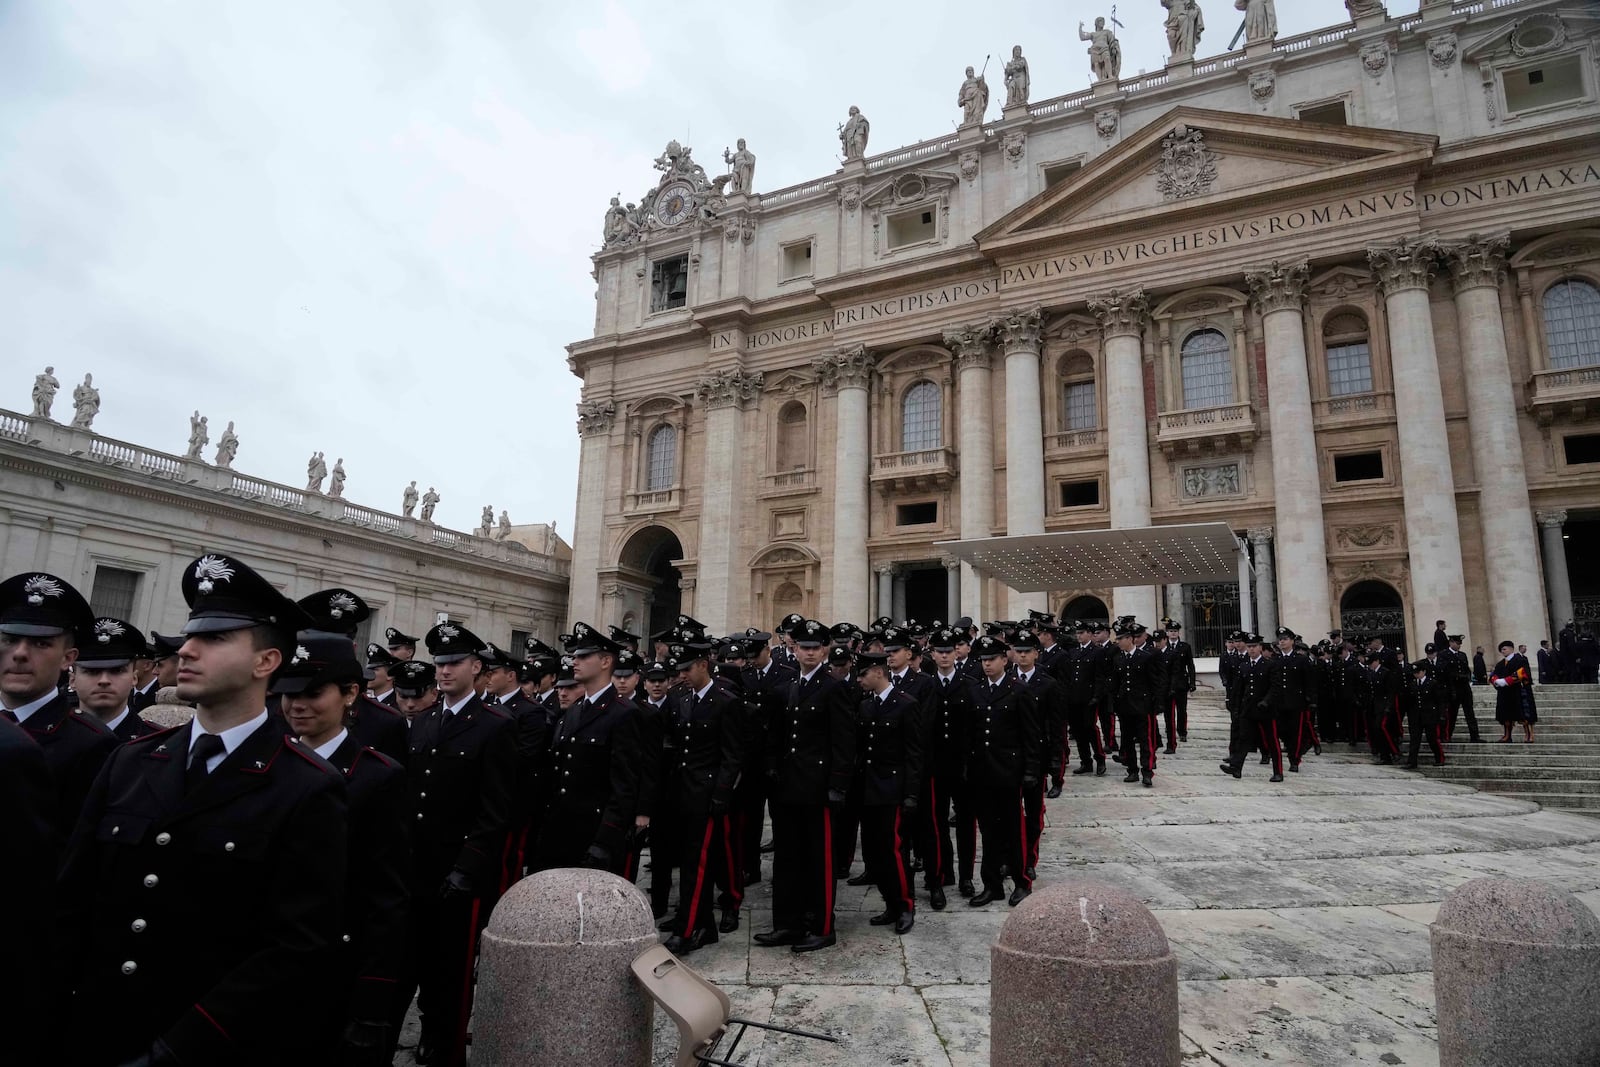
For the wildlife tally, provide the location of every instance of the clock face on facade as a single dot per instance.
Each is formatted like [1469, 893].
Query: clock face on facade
[674, 203]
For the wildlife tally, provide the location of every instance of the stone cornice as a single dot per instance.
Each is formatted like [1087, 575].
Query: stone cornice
[729, 387]
[1121, 314]
[1278, 286]
[1478, 261]
[1407, 264]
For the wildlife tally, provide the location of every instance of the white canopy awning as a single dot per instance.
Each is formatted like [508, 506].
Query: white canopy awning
[1094, 559]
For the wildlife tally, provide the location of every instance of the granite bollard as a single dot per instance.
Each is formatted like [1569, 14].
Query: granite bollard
[1516, 975]
[553, 978]
[1082, 973]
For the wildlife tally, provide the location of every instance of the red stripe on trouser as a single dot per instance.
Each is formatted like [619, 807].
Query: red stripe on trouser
[827, 872]
[936, 872]
[459, 1048]
[699, 882]
[1099, 747]
[1276, 750]
[1388, 738]
[628, 869]
[1021, 877]
[1150, 740]
[1299, 737]
[735, 873]
[907, 901]
[1311, 724]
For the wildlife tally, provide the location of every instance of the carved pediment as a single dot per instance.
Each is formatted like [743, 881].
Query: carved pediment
[911, 188]
[1340, 283]
[1533, 35]
[658, 404]
[1075, 329]
[789, 383]
[1193, 158]
[1560, 249]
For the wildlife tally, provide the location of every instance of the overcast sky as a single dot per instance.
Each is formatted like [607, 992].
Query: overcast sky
[364, 228]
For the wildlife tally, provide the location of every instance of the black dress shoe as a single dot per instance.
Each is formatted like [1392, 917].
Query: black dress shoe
[966, 888]
[1316, 749]
[1476, 740]
[860, 879]
[700, 939]
[904, 923]
[883, 918]
[674, 944]
[1100, 769]
[1054, 791]
[1032, 875]
[1084, 768]
[1294, 768]
[1149, 780]
[1018, 895]
[1276, 778]
[1131, 777]
[815, 942]
[1116, 757]
[1265, 760]
[936, 897]
[988, 896]
[730, 921]
[1170, 750]
[775, 938]
[1184, 738]
[916, 865]
[1408, 767]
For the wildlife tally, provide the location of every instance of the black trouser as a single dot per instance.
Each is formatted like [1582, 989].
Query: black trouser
[1108, 725]
[1033, 816]
[1056, 746]
[932, 829]
[706, 858]
[666, 829]
[1180, 703]
[446, 936]
[966, 811]
[1461, 701]
[847, 829]
[1385, 730]
[750, 801]
[802, 867]
[1425, 728]
[1295, 732]
[883, 843]
[1083, 729]
[1138, 741]
[1004, 838]
[1169, 716]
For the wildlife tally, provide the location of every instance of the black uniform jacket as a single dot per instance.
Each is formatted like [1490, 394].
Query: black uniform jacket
[379, 883]
[767, 694]
[28, 841]
[710, 748]
[1254, 682]
[889, 746]
[655, 760]
[1130, 686]
[1077, 670]
[948, 739]
[1292, 683]
[191, 918]
[463, 773]
[1007, 736]
[382, 727]
[140, 699]
[811, 748]
[925, 691]
[593, 794]
[1048, 694]
[1427, 699]
[131, 728]
[75, 745]
[1180, 657]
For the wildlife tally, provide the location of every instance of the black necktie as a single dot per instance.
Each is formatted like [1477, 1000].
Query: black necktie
[205, 746]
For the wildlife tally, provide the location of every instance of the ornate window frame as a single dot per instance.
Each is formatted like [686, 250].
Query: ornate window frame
[1184, 314]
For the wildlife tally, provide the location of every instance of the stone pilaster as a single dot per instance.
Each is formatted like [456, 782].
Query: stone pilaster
[970, 345]
[1279, 291]
[725, 395]
[1122, 316]
[1266, 585]
[1505, 515]
[1018, 331]
[1557, 583]
[952, 589]
[847, 374]
[1433, 530]
[595, 419]
[885, 575]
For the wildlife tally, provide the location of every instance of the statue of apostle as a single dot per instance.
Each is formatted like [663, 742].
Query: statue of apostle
[1016, 78]
[1105, 52]
[853, 134]
[973, 99]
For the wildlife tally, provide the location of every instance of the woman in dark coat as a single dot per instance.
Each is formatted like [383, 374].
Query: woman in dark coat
[1513, 702]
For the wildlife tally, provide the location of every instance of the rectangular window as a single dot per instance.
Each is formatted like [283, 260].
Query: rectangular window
[796, 261]
[1329, 114]
[114, 590]
[1358, 467]
[925, 514]
[363, 635]
[669, 283]
[1555, 81]
[1582, 448]
[519, 643]
[1077, 407]
[1080, 494]
[1349, 369]
[1056, 173]
[912, 227]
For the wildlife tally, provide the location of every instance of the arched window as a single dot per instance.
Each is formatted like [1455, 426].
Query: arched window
[920, 427]
[662, 459]
[1078, 409]
[1207, 366]
[793, 447]
[1345, 340]
[1572, 323]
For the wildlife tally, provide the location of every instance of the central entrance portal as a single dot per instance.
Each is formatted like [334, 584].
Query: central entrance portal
[925, 594]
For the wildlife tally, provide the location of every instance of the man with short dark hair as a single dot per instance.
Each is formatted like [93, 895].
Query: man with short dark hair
[889, 749]
[1006, 758]
[105, 674]
[401, 646]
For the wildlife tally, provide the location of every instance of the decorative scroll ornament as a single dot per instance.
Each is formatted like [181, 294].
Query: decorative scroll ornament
[845, 369]
[1263, 83]
[1120, 312]
[1187, 168]
[1375, 58]
[969, 345]
[1278, 286]
[1105, 122]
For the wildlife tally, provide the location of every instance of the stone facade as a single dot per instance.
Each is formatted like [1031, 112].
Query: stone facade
[1304, 288]
[120, 521]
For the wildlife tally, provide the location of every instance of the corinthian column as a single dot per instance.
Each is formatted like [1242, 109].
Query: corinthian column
[847, 374]
[1018, 332]
[1505, 517]
[594, 429]
[1433, 531]
[1558, 584]
[1301, 547]
[974, 439]
[725, 395]
[1122, 318]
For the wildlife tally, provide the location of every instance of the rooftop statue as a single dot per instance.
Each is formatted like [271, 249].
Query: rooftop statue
[1185, 24]
[1260, 19]
[228, 447]
[408, 500]
[1105, 52]
[973, 99]
[85, 403]
[853, 134]
[1016, 78]
[198, 436]
[44, 392]
[743, 166]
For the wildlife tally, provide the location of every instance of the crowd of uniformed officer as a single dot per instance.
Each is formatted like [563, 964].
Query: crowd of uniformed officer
[274, 880]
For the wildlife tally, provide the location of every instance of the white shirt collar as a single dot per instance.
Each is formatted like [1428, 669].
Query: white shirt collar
[813, 672]
[596, 698]
[326, 751]
[454, 708]
[701, 695]
[232, 737]
[1024, 678]
[946, 677]
[112, 724]
[32, 706]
